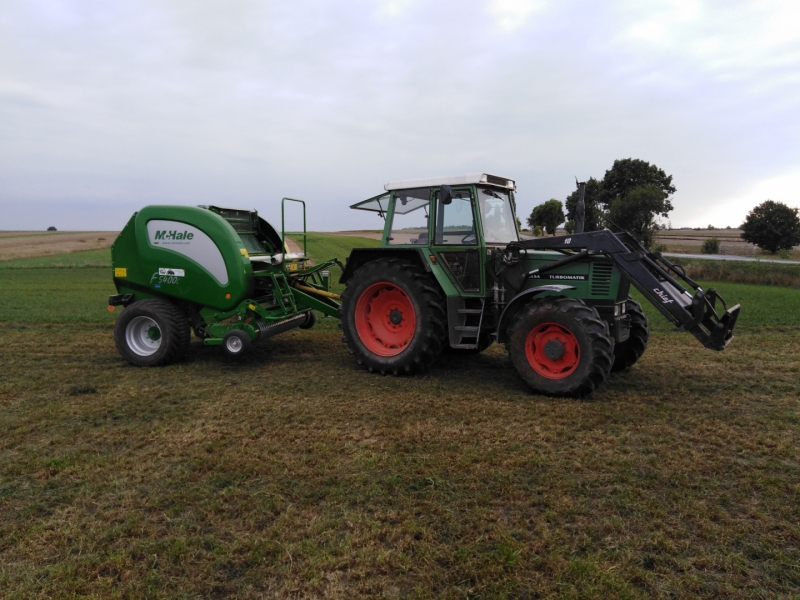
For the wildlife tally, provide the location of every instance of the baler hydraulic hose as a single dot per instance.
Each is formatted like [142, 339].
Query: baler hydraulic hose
[311, 290]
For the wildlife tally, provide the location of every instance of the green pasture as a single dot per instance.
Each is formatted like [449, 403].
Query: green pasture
[296, 474]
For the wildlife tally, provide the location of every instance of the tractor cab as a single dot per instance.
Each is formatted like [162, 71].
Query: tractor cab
[455, 220]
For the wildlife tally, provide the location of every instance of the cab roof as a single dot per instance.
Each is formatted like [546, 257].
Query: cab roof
[470, 178]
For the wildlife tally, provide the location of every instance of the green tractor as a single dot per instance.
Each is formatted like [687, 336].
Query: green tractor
[224, 273]
[453, 273]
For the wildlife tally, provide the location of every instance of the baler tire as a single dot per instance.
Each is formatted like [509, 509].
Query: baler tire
[404, 285]
[236, 343]
[586, 339]
[310, 321]
[628, 352]
[173, 328]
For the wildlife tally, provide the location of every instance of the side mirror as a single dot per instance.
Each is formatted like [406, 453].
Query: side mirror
[445, 194]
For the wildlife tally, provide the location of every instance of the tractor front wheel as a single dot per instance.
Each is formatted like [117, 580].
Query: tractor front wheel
[393, 317]
[152, 333]
[628, 352]
[560, 347]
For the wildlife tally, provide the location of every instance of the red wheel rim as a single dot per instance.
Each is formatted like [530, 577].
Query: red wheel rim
[552, 350]
[385, 319]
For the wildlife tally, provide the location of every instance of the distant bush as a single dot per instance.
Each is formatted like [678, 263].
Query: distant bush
[711, 246]
[537, 231]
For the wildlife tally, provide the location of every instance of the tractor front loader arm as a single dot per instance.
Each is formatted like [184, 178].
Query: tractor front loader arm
[654, 276]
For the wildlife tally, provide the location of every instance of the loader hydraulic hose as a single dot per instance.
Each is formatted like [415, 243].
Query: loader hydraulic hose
[312, 290]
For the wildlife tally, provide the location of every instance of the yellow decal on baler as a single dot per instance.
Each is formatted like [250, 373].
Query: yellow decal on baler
[243, 252]
[251, 306]
[120, 272]
[291, 267]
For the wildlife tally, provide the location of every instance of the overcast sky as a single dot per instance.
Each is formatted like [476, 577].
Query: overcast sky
[108, 106]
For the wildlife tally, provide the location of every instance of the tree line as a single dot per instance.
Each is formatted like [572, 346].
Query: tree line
[633, 195]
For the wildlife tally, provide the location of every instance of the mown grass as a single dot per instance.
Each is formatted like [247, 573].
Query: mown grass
[294, 473]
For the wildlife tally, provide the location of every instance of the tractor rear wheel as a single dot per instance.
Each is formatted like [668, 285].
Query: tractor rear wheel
[152, 333]
[560, 347]
[393, 317]
[628, 352]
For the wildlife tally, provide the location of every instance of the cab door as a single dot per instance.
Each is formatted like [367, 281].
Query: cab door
[457, 239]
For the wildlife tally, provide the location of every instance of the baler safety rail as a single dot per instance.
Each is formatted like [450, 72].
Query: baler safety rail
[283, 224]
[652, 275]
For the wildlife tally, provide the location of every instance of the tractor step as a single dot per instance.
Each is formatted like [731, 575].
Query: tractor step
[464, 318]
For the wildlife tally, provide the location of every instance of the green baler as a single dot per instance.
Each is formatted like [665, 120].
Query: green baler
[225, 273]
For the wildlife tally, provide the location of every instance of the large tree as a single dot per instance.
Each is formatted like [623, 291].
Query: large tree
[548, 215]
[636, 212]
[591, 200]
[772, 226]
[628, 174]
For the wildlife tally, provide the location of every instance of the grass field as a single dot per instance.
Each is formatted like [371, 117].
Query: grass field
[294, 473]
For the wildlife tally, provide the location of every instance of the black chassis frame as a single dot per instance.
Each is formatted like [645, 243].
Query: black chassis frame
[650, 273]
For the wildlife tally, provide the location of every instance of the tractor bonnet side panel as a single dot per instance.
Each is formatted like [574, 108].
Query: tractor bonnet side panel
[185, 253]
[595, 280]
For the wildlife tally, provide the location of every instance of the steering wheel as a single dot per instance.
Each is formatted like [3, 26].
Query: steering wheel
[472, 235]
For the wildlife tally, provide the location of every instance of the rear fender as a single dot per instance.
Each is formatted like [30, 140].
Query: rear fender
[361, 256]
[521, 300]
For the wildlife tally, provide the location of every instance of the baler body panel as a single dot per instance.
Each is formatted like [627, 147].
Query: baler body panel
[184, 253]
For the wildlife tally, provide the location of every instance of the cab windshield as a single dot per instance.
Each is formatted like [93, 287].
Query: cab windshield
[499, 226]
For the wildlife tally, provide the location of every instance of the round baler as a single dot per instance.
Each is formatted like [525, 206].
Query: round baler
[224, 273]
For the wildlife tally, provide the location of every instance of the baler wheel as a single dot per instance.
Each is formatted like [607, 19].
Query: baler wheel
[152, 333]
[393, 317]
[235, 343]
[628, 352]
[310, 321]
[560, 347]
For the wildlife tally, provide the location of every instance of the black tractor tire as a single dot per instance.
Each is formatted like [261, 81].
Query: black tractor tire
[560, 347]
[152, 333]
[393, 317]
[628, 352]
[311, 320]
[236, 343]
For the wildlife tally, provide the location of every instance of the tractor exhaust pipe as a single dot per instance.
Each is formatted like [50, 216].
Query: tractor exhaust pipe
[267, 330]
[580, 208]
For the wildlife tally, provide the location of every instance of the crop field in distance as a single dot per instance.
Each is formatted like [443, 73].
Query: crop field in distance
[293, 473]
